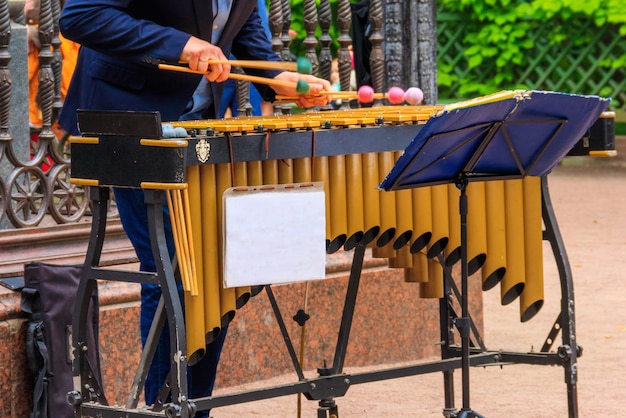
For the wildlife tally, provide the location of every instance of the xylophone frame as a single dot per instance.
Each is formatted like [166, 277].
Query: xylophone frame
[332, 381]
[89, 400]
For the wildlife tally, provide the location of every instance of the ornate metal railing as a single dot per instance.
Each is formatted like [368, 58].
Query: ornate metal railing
[37, 187]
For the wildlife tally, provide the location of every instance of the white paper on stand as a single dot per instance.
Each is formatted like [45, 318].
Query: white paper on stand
[274, 234]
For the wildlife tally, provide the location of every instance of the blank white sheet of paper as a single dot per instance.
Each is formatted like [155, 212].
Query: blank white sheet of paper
[274, 234]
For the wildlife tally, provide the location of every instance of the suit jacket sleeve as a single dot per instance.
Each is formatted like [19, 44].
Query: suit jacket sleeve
[110, 26]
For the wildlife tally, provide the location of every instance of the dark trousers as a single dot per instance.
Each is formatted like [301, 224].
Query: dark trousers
[201, 376]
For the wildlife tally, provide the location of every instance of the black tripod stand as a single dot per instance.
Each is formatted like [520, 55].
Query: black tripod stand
[463, 322]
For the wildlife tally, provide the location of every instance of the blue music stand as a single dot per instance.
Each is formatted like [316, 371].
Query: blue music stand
[508, 135]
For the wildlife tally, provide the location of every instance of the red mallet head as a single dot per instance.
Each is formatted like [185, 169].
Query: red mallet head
[395, 95]
[413, 95]
[365, 94]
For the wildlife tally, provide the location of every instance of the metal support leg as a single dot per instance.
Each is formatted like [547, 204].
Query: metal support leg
[146, 356]
[283, 330]
[569, 351]
[446, 339]
[327, 409]
[463, 322]
[154, 200]
[348, 309]
[86, 387]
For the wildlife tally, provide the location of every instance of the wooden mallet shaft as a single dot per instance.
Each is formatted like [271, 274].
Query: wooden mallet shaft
[301, 86]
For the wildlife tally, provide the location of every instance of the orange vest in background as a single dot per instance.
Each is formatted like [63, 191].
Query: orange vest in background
[69, 54]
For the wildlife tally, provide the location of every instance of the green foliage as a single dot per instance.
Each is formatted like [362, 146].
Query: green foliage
[297, 24]
[503, 38]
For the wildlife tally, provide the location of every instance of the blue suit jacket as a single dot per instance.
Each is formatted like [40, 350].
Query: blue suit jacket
[124, 40]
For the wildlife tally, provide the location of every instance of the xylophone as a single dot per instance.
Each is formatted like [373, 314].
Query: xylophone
[350, 152]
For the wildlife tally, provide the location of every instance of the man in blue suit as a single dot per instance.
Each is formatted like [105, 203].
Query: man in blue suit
[122, 42]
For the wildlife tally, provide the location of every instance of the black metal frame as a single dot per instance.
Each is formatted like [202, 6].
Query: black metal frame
[332, 382]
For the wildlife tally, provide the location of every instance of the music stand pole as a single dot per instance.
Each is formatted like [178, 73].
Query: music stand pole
[463, 323]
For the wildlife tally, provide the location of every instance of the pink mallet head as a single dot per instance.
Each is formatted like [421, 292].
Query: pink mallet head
[413, 95]
[395, 95]
[365, 94]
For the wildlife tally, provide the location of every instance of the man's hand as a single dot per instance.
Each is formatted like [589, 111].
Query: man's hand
[317, 89]
[32, 33]
[197, 54]
[31, 11]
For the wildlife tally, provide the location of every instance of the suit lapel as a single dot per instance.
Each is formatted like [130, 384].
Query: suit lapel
[239, 13]
[204, 13]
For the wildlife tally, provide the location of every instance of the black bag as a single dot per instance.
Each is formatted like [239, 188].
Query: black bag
[48, 298]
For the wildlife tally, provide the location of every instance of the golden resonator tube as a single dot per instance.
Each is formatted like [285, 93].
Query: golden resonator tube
[522, 215]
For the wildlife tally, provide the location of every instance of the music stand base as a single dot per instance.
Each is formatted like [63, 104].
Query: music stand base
[467, 413]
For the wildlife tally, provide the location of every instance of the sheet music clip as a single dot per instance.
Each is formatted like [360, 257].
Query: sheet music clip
[507, 135]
